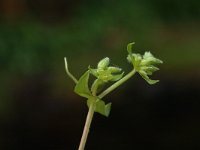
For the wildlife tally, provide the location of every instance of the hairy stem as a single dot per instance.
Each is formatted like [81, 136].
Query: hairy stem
[116, 84]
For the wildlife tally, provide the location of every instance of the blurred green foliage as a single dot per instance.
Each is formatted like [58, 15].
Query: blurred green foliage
[94, 30]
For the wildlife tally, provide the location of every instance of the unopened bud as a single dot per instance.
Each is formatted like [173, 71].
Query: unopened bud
[103, 63]
[114, 69]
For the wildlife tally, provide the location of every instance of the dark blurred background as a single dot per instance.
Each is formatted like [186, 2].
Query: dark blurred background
[38, 109]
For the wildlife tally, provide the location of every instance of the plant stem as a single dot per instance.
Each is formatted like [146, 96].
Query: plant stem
[87, 127]
[67, 71]
[89, 118]
[116, 84]
[92, 106]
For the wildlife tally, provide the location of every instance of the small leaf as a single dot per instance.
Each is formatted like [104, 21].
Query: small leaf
[100, 106]
[129, 48]
[93, 71]
[149, 69]
[103, 108]
[108, 109]
[144, 76]
[130, 57]
[81, 87]
[117, 77]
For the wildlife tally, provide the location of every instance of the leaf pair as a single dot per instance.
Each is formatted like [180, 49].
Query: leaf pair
[83, 90]
[100, 106]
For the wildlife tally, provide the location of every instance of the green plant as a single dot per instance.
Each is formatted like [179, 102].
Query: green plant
[142, 64]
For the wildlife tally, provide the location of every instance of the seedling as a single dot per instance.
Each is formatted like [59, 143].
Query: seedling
[145, 65]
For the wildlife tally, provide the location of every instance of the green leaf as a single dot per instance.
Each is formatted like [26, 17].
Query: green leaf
[149, 69]
[81, 87]
[100, 106]
[117, 77]
[144, 76]
[130, 57]
[103, 108]
[129, 48]
[93, 71]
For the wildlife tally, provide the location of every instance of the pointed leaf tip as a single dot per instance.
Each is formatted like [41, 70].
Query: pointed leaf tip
[144, 76]
[81, 87]
[68, 73]
[102, 108]
[129, 47]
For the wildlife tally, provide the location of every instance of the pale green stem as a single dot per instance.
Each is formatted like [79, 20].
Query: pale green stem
[95, 86]
[89, 118]
[87, 127]
[116, 84]
[92, 106]
[69, 74]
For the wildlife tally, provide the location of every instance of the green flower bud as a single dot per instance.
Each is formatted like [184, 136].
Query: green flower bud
[105, 77]
[114, 69]
[144, 65]
[103, 63]
[149, 59]
[105, 73]
[135, 59]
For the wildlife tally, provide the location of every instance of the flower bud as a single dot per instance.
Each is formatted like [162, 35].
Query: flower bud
[114, 69]
[103, 63]
[149, 59]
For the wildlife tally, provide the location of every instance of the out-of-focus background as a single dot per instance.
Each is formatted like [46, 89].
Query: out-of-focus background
[38, 109]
